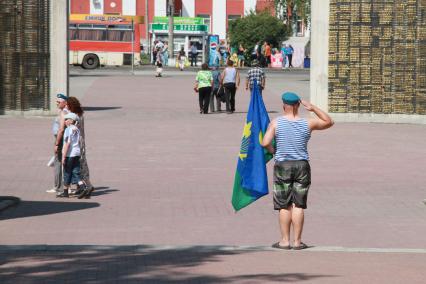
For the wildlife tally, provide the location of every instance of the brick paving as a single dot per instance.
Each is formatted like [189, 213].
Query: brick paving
[164, 176]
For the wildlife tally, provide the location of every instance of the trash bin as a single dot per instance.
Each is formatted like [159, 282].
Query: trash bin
[307, 62]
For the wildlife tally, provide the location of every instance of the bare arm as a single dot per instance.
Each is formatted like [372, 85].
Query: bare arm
[64, 151]
[247, 83]
[222, 76]
[238, 78]
[323, 120]
[61, 130]
[269, 137]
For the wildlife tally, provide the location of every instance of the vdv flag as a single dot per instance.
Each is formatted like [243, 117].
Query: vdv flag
[251, 180]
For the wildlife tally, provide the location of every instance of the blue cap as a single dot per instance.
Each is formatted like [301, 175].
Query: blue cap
[290, 98]
[62, 96]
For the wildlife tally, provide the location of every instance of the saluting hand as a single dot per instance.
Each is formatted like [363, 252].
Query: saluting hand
[308, 106]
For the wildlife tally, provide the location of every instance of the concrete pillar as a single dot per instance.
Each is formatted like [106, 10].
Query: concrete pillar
[319, 53]
[249, 5]
[187, 45]
[188, 8]
[59, 55]
[160, 8]
[219, 18]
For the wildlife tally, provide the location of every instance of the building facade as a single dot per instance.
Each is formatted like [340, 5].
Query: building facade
[217, 13]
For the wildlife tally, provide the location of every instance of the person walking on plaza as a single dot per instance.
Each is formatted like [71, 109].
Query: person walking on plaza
[241, 57]
[284, 55]
[255, 73]
[181, 59]
[230, 79]
[194, 54]
[290, 51]
[203, 85]
[74, 106]
[292, 172]
[268, 54]
[71, 157]
[165, 54]
[159, 64]
[154, 53]
[215, 89]
[58, 132]
[223, 51]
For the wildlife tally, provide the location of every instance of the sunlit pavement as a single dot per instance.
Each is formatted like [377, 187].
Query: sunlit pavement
[164, 176]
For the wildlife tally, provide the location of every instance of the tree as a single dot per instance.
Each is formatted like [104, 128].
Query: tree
[291, 10]
[256, 28]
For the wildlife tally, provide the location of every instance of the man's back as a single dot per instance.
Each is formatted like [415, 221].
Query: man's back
[257, 74]
[292, 138]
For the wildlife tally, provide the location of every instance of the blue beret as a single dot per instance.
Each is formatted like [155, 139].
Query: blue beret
[62, 96]
[290, 98]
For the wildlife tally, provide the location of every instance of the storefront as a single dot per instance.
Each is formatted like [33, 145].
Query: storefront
[186, 31]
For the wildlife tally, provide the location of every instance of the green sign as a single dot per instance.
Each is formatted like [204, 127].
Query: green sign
[177, 27]
[180, 20]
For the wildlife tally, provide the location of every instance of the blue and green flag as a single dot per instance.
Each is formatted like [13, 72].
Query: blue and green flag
[251, 180]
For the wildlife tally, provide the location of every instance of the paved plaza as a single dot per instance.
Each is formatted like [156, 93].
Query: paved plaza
[163, 173]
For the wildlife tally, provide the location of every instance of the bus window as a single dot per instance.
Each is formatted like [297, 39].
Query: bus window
[119, 35]
[73, 34]
[90, 32]
[99, 27]
[85, 26]
[92, 35]
[120, 27]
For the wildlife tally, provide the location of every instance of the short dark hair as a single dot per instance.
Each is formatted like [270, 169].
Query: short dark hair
[230, 62]
[204, 66]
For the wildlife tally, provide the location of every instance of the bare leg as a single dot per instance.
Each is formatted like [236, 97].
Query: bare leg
[297, 219]
[285, 216]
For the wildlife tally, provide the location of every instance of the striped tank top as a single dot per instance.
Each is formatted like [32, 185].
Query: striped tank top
[292, 140]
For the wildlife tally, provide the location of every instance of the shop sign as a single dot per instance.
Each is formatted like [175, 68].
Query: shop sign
[178, 27]
[180, 20]
[106, 18]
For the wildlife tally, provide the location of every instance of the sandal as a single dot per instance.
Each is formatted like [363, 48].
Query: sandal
[301, 246]
[278, 246]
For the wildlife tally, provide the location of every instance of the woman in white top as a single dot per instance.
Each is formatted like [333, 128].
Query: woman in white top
[230, 80]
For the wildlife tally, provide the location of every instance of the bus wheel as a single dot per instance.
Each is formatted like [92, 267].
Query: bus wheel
[90, 61]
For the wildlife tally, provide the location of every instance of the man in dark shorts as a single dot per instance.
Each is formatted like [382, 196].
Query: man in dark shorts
[292, 172]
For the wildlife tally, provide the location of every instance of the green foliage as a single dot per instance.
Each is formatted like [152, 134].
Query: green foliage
[257, 28]
[145, 59]
[300, 9]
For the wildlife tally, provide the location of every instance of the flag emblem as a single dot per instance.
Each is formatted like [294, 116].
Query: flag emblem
[245, 141]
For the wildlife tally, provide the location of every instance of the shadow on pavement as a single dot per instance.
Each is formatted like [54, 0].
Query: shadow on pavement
[137, 265]
[39, 208]
[99, 108]
[101, 190]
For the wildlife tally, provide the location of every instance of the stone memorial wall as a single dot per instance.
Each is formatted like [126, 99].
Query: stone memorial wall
[377, 57]
[24, 55]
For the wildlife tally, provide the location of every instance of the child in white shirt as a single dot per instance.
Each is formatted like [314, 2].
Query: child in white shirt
[71, 157]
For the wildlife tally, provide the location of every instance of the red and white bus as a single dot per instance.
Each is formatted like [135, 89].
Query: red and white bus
[97, 40]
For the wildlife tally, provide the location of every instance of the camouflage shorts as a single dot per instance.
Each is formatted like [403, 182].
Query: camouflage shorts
[291, 184]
